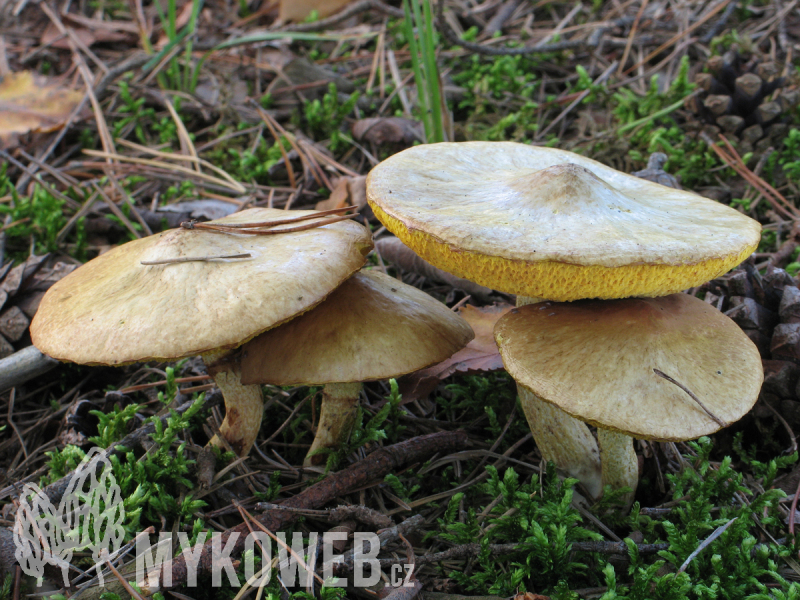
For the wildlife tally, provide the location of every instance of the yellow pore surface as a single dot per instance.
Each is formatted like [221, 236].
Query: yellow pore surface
[560, 281]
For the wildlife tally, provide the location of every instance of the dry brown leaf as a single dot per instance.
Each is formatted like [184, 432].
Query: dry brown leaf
[32, 103]
[388, 130]
[347, 191]
[480, 355]
[339, 196]
[297, 10]
[358, 191]
[89, 33]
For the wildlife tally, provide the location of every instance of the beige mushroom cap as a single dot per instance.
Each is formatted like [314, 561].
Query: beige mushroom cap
[372, 327]
[552, 224]
[115, 310]
[596, 361]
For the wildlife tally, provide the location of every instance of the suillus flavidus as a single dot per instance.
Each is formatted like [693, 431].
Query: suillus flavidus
[170, 296]
[371, 327]
[547, 224]
[672, 368]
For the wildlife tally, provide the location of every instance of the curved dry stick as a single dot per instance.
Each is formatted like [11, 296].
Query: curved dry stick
[715, 418]
[373, 468]
[244, 228]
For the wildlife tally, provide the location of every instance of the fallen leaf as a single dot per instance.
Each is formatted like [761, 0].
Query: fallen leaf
[16, 276]
[480, 355]
[347, 191]
[339, 196]
[32, 103]
[89, 32]
[297, 10]
[301, 71]
[388, 130]
[357, 187]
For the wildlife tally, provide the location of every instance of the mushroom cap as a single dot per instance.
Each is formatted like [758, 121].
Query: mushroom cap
[371, 327]
[115, 310]
[596, 361]
[552, 224]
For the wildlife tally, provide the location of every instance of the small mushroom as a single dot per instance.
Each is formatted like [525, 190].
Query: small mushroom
[170, 296]
[371, 327]
[667, 369]
[547, 224]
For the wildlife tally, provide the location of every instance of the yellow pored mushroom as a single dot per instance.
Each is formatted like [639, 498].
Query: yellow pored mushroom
[667, 369]
[371, 327]
[169, 296]
[547, 224]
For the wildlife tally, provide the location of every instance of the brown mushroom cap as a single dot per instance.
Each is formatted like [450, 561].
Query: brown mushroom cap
[371, 327]
[596, 361]
[552, 224]
[115, 310]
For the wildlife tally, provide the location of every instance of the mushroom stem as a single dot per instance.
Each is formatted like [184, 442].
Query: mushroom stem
[336, 419]
[618, 459]
[565, 440]
[244, 404]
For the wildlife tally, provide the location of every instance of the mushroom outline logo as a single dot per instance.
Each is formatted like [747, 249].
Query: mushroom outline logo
[89, 517]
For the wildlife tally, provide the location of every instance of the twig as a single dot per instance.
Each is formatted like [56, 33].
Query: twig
[714, 417]
[405, 592]
[470, 550]
[185, 259]
[782, 255]
[793, 447]
[23, 366]
[240, 189]
[10, 421]
[146, 386]
[275, 223]
[375, 466]
[500, 17]
[603, 76]
[129, 64]
[632, 36]
[451, 36]
[679, 35]
[717, 532]
[719, 25]
[793, 508]
[385, 537]
[253, 230]
[128, 588]
[757, 179]
[734, 161]
[362, 514]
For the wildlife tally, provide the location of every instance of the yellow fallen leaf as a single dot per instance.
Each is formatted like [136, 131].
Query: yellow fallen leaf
[297, 10]
[30, 102]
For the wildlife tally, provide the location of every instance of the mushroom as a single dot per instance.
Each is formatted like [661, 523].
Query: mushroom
[668, 369]
[371, 327]
[173, 295]
[547, 224]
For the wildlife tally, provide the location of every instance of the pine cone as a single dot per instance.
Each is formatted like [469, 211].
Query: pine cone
[736, 99]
